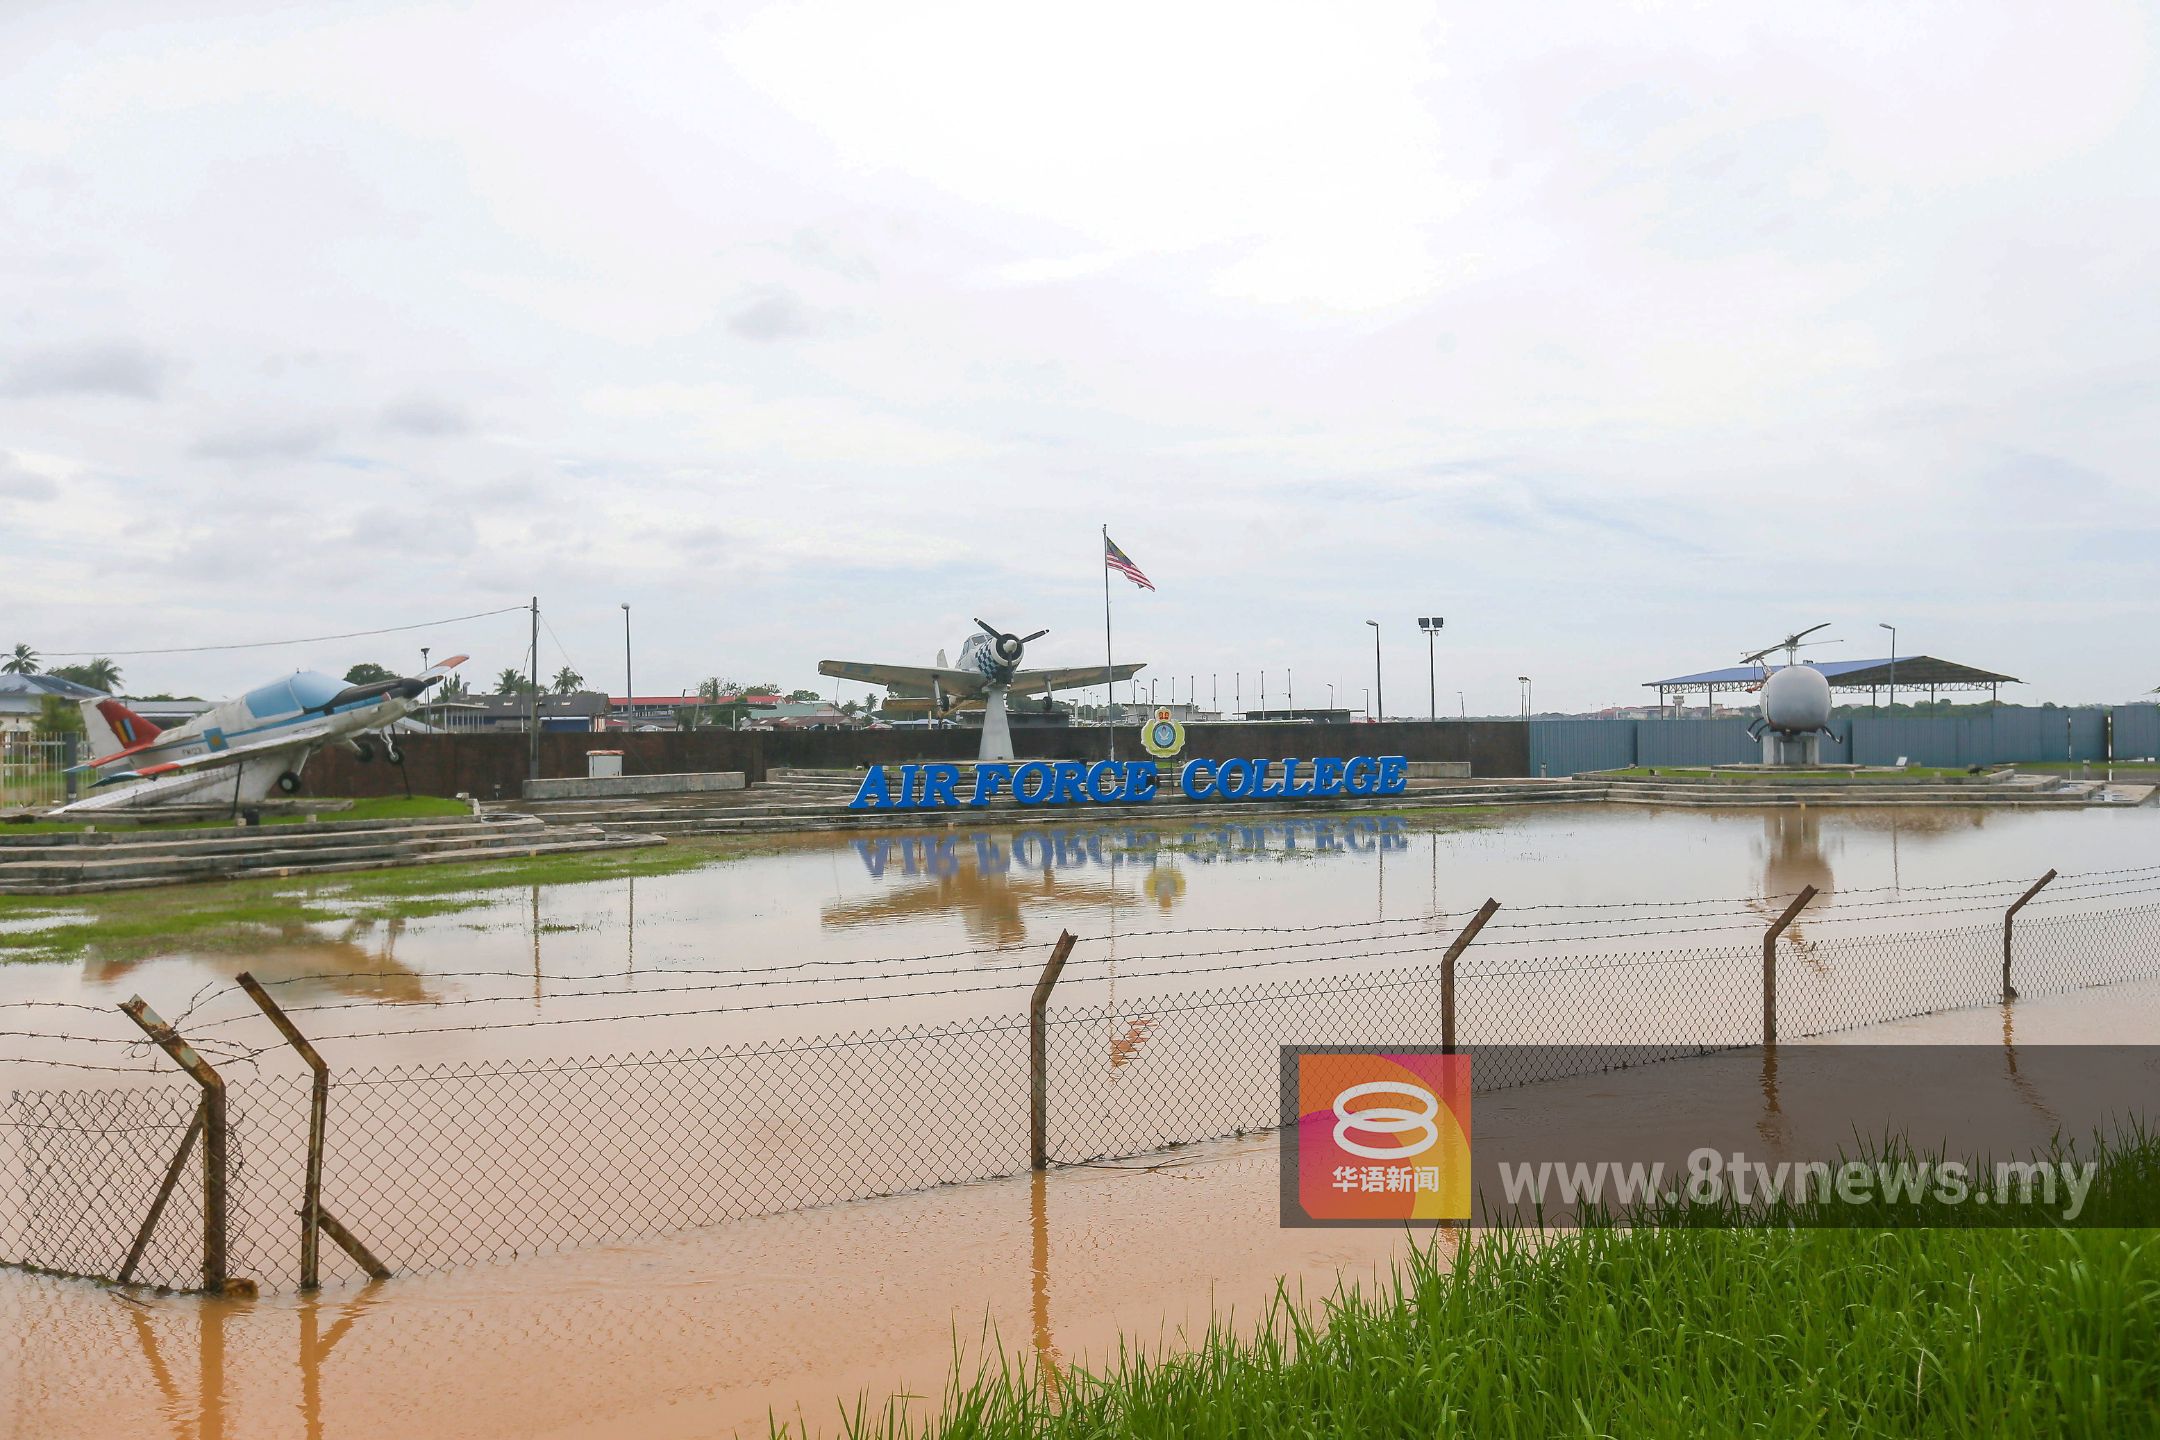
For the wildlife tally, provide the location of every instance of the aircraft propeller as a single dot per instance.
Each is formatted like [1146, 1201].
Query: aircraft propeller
[404, 687]
[1007, 647]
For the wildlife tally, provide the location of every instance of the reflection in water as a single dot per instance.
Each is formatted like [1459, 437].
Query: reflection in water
[2018, 1082]
[1793, 859]
[989, 878]
[1771, 1124]
[1127, 1045]
[357, 961]
[1048, 1361]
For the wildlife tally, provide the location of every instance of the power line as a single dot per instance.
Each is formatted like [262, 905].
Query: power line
[271, 644]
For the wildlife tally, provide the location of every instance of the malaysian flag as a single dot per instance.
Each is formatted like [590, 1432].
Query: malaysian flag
[1119, 561]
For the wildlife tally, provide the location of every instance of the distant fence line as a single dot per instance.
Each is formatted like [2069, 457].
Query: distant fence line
[408, 1169]
[2007, 734]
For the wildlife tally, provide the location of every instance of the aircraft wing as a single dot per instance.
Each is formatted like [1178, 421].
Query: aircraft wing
[230, 755]
[1078, 677]
[907, 679]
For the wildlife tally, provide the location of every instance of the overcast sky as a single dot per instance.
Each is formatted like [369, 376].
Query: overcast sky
[1626, 337]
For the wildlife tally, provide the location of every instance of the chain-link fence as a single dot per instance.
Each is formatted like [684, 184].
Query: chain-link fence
[433, 1166]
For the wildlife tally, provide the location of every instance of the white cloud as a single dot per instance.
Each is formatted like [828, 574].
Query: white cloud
[1571, 323]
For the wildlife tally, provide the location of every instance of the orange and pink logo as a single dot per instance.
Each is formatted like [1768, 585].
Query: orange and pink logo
[1382, 1135]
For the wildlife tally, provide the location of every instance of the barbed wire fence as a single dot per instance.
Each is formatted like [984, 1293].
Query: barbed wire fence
[236, 1170]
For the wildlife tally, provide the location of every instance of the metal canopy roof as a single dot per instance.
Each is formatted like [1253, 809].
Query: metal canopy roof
[1911, 670]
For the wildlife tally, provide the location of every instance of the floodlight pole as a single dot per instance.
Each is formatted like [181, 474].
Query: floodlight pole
[1431, 625]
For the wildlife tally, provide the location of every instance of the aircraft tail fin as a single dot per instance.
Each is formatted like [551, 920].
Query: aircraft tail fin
[113, 729]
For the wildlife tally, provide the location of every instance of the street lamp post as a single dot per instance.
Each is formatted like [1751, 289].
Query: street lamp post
[1331, 699]
[1289, 681]
[1525, 679]
[1462, 706]
[629, 690]
[1431, 625]
[1886, 625]
[1379, 695]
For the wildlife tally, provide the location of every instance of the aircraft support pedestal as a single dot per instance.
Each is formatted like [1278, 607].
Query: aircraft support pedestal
[997, 729]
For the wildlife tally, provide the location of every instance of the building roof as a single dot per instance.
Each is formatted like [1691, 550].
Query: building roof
[37, 685]
[1914, 670]
[584, 702]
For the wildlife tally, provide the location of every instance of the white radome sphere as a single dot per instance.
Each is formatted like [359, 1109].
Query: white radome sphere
[1796, 698]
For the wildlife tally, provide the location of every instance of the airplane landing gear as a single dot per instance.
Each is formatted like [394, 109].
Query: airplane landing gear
[362, 751]
[288, 782]
[393, 753]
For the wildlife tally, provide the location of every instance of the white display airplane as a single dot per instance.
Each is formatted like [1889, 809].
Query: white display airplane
[237, 752]
[988, 671]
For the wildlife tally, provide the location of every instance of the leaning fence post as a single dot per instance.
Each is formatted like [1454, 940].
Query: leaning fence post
[1039, 1054]
[1769, 961]
[314, 1220]
[2008, 992]
[1447, 970]
[213, 1121]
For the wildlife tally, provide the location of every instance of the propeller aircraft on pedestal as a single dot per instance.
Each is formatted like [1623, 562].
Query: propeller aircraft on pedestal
[989, 671]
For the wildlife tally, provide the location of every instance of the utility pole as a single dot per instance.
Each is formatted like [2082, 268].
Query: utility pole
[629, 691]
[1885, 625]
[532, 699]
[1289, 681]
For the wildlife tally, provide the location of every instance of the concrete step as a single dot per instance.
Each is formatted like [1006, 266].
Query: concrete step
[84, 869]
[245, 840]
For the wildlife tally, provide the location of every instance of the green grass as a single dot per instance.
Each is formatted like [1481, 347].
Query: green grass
[239, 915]
[397, 807]
[1660, 1329]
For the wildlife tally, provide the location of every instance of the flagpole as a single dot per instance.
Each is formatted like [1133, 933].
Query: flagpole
[1109, 667]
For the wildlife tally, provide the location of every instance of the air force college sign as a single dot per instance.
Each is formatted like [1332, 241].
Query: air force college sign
[943, 786]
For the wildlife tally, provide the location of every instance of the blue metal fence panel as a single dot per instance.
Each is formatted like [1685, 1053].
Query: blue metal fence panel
[2137, 732]
[1695, 742]
[1576, 747]
[2008, 734]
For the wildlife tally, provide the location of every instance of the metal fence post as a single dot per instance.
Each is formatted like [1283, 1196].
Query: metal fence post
[1447, 970]
[1039, 1054]
[213, 1121]
[1769, 961]
[2008, 992]
[314, 1220]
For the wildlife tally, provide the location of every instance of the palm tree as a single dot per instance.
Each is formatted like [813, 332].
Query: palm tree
[567, 681]
[510, 682]
[99, 674]
[25, 662]
[452, 688]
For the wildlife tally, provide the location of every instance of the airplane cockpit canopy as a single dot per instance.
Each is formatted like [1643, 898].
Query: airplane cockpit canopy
[307, 690]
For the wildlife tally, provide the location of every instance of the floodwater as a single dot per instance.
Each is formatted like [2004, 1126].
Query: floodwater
[798, 1315]
[831, 933]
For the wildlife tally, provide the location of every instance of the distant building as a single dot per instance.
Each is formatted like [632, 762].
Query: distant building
[581, 712]
[22, 696]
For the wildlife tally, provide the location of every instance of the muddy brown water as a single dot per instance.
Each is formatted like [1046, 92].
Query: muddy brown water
[842, 1017]
[830, 934]
[800, 1315]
